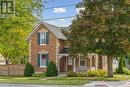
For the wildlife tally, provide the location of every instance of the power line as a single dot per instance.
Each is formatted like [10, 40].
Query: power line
[60, 6]
[59, 18]
[66, 17]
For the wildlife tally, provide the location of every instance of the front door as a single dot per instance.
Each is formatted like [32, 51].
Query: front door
[63, 64]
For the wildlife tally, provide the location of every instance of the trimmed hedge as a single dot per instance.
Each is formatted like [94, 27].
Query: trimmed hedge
[29, 70]
[51, 69]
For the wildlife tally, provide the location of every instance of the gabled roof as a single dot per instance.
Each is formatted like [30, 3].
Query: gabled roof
[54, 29]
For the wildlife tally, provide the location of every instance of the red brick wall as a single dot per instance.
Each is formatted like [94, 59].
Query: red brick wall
[35, 48]
[62, 44]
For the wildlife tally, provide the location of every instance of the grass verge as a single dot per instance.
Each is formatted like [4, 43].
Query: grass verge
[58, 80]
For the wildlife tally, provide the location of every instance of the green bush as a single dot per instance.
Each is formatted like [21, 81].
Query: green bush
[72, 74]
[39, 75]
[51, 69]
[96, 73]
[93, 73]
[120, 68]
[102, 73]
[126, 71]
[124, 64]
[29, 70]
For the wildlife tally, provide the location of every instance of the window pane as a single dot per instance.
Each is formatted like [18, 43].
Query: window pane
[43, 38]
[43, 60]
[69, 61]
[82, 62]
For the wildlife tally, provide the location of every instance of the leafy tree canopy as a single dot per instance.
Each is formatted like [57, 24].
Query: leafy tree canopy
[14, 30]
[103, 27]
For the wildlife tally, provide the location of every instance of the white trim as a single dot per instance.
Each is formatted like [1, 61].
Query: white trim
[41, 60]
[74, 67]
[42, 44]
[42, 66]
[79, 62]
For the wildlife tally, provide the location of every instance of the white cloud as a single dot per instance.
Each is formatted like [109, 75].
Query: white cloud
[59, 10]
[78, 9]
[62, 19]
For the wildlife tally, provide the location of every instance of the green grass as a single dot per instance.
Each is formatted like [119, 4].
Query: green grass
[58, 80]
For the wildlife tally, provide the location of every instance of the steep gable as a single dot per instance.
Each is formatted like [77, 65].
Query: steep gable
[54, 29]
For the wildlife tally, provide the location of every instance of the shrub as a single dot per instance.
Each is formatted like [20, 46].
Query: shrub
[97, 73]
[102, 73]
[72, 74]
[124, 65]
[120, 68]
[29, 70]
[93, 73]
[126, 71]
[51, 69]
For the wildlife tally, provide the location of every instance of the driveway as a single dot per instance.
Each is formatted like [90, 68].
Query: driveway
[108, 84]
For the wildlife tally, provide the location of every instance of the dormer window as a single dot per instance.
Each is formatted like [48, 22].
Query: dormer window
[43, 38]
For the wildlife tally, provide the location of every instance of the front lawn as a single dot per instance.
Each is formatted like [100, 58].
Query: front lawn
[58, 80]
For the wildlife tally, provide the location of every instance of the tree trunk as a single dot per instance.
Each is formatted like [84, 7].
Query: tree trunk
[100, 65]
[110, 66]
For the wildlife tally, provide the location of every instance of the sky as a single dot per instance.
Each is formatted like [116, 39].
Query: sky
[60, 12]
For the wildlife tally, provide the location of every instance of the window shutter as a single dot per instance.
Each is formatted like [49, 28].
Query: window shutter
[38, 59]
[47, 59]
[38, 38]
[47, 37]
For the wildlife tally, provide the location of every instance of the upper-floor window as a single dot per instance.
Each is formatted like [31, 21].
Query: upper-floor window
[43, 38]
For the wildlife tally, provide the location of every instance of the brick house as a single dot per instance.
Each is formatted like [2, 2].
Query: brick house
[47, 43]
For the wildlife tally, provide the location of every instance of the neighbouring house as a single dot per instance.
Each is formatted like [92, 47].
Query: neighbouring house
[2, 60]
[47, 43]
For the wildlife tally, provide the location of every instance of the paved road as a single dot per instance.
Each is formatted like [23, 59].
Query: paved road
[21, 85]
[92, 84]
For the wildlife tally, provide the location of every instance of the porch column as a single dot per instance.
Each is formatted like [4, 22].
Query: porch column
[58, 64]
[66, 63]
[74, 67]
[90, 63]
[96, 62]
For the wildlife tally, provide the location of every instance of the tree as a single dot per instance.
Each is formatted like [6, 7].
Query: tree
[102, 28]
[14, 30]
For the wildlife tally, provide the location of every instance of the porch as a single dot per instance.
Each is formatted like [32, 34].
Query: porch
[81, 63]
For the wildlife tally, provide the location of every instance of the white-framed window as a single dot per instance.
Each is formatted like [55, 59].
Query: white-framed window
[42, 59]
[43, 38]
[82, 62]
[70, 61]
